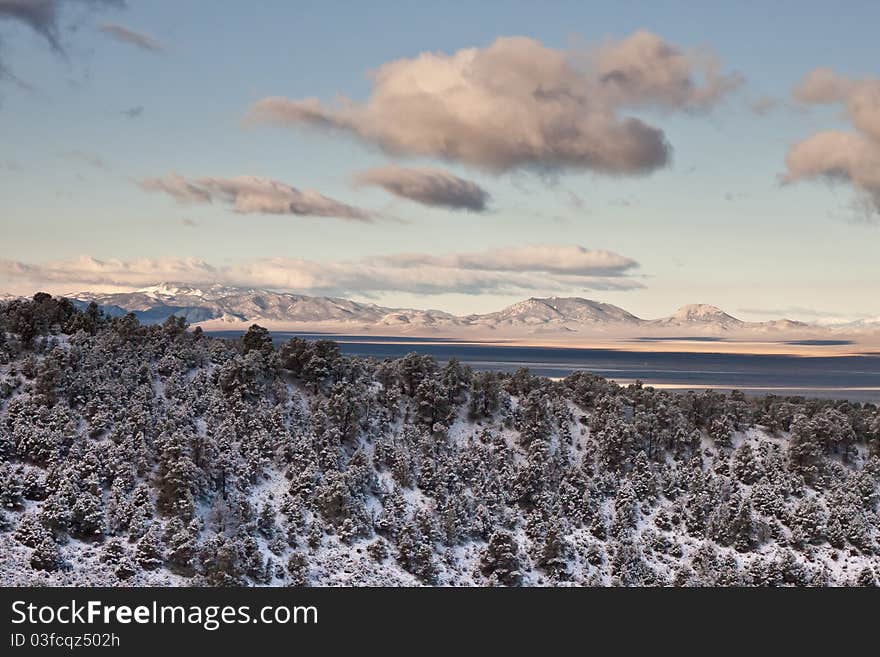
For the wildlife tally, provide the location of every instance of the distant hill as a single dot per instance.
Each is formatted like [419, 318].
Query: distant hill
[221, 307]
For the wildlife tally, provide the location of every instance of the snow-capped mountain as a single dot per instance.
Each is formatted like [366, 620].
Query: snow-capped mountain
[701, 314]
[870, 323]
[218, 306]
[158, 302]
[558, 311]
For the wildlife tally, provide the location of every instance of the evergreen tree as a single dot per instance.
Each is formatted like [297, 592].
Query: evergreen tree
[46, 555]
[149, 552]
[502, 560]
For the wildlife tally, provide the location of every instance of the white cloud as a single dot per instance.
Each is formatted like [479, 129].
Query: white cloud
[571, 260]
[550, 269]
[850, 157]
[518, 104]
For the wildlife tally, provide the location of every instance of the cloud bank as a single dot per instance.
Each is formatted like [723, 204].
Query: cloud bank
[428, 186]
[252, 194]
[518, 104]
[548, 269]
[849, 157]
[569, 260]
[129, 36]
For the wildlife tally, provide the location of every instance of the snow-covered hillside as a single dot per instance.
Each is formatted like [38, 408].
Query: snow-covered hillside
[134, 455]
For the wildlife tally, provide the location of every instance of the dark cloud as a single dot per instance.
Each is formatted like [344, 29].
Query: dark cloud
[127, 35]
[43, 17]
[427, 186]
[518, 104]
[251, 194]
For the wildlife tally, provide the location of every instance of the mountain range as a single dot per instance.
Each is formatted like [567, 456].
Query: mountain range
[218, 307]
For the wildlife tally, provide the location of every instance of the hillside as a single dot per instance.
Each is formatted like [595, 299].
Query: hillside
[134, 454]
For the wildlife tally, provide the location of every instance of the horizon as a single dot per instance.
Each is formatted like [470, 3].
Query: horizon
[168, 285]
[647, 157]
[163, 291]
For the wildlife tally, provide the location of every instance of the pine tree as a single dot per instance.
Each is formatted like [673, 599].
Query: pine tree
[297, 569]
[149, 552]
[866, 577]
[643, 480]
[554, 552]
[258, 339]
[745, 465]
[501, 559]
[47, 555]
[809, 521]
[113, 551]
[182, 545]
[87, 514]
[746, 530]
[266, 522]
[11, 486]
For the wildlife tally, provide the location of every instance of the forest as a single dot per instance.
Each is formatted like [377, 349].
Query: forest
[158, 455]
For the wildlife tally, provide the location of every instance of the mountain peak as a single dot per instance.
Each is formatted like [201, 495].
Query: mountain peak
[170, 289]
[701, 313]
[220, 303]
[560, 310]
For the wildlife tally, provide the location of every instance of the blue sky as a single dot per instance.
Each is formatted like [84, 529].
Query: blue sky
[714, 225]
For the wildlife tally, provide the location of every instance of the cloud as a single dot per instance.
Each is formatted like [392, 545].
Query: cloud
[763, 105]
[42, 16]
[518, 104]
[126, 35]
[491, 272]
[427, 186]
[252, 194]
[822, 85]
[571, 260]
[839, 156]
[133, 112]
[92, 159]
[576, 201]
[803, 313]
[642, 69]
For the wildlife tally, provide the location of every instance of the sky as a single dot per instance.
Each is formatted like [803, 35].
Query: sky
[460, 156]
